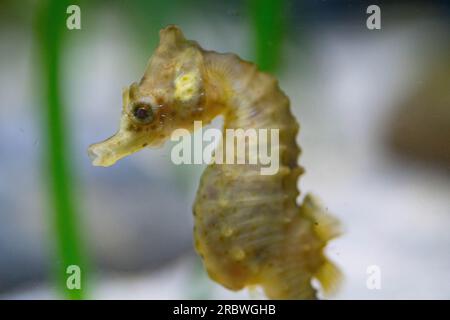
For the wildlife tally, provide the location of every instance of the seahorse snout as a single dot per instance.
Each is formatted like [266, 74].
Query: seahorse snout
[120, 145]
[100, 156]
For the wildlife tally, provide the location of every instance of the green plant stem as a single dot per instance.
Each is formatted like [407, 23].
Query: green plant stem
[51, 29]
[268, 18]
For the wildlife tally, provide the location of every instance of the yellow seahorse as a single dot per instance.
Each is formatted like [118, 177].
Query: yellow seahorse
[249, 229]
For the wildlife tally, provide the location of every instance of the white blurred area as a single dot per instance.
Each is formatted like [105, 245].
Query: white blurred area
[344, 83]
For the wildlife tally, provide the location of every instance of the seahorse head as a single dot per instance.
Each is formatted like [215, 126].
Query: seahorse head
[169, 96]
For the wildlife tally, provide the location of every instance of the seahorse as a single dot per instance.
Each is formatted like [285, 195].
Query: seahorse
[248, 228]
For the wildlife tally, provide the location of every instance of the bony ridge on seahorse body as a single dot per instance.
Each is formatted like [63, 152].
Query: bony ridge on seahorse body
[249, 229]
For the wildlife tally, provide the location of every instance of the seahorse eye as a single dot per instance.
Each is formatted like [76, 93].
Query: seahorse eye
[142, 113]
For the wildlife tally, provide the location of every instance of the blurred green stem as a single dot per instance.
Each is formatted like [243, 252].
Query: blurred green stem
[268, 18]
[51, 29]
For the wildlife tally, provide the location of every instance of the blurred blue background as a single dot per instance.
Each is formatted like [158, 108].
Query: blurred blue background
[374, 110]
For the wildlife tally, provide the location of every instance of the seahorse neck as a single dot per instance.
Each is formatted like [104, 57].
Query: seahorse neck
[252, 99]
